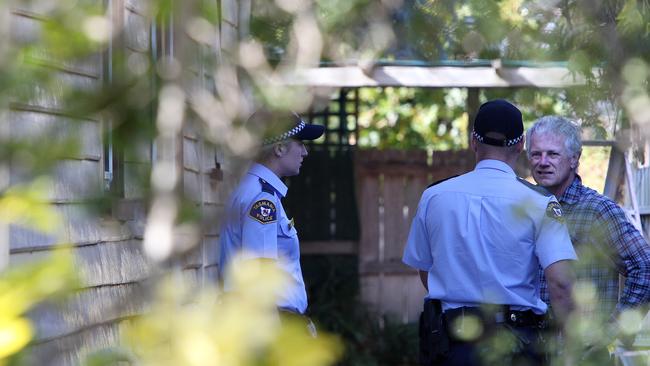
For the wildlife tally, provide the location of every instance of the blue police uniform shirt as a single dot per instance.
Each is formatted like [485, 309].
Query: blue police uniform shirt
[482, 236]
[258, 227]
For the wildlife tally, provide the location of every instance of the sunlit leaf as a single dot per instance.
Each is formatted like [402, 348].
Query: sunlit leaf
[14, 335]
[240, 327]
[27, 205]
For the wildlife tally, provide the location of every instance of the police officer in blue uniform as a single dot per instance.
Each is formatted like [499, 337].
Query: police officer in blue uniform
[478, 240]
[256, 224]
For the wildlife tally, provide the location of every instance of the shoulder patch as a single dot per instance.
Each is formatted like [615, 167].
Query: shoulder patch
[267, 187]
[539, 189]
[264, 211]
[554, 211]
[441, 180]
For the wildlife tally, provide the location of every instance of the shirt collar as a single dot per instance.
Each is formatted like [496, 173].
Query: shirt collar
[572, 193]
[270, 177]
[494, 164]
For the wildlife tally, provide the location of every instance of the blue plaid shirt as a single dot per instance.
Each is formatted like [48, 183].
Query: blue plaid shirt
[607, 244]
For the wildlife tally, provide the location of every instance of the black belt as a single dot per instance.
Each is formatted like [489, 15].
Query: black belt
[515, 318]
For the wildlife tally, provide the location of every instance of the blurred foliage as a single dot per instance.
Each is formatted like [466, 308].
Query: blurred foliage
[22, 288]
[144, 99]
[436, 119]
[411, 118]
[527, 30]
[137, 100]
[25, 286]
[191, 326]
[25, 204]
[610, 36]
[593, 167]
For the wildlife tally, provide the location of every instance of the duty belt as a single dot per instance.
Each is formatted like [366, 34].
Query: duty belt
[515, 318]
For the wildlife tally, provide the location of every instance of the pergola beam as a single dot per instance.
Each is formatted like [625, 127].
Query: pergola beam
[436, 77]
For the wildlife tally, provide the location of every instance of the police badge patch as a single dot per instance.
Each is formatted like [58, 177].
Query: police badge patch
[264, 211]
[554, 211]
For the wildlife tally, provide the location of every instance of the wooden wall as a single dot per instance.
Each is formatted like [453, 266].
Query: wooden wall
[203, 185]
[108, 247]
[107, 251]
[209, 174]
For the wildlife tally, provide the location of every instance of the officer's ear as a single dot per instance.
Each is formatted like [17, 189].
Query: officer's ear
[519, 147]
[279, 149]
[473, 143]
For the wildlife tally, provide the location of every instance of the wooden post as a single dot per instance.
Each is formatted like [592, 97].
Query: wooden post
[472, 108]
[614, 172]
[634, 202]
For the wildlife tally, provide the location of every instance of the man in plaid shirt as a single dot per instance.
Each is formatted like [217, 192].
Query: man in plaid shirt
[606, 242]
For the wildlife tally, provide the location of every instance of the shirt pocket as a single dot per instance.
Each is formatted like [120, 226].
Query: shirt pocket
[287, 231]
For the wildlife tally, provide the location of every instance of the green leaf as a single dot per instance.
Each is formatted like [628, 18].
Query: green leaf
[580, 62]
[630, 20]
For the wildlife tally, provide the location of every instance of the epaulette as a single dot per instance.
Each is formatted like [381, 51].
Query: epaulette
[441, 180]
[539, 189]
[267, 187]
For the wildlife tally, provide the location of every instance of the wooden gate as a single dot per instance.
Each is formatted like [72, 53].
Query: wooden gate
[389, 186]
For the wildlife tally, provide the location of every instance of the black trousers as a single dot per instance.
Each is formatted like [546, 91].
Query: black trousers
[503, 345]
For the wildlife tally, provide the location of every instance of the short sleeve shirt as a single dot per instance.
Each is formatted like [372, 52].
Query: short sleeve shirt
[256, 226]
[482, 236]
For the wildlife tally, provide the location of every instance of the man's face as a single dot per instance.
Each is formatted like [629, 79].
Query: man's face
[553, 167]
[293, 157]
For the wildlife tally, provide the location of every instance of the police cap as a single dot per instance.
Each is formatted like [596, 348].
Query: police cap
[283, 125]
[501, 117]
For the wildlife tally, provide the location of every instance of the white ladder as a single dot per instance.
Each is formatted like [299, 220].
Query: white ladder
[619, 163]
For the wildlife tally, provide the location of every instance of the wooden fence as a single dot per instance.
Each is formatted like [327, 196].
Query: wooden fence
[389, 186]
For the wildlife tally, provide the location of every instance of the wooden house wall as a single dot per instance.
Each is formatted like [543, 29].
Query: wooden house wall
[207, 179]
[218, 172]
[107, 251]
[131, 15]
[199, 161]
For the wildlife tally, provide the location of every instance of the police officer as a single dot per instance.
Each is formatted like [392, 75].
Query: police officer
[477, 240]
[256, 224]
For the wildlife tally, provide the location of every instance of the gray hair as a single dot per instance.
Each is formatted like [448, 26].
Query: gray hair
[560, 126]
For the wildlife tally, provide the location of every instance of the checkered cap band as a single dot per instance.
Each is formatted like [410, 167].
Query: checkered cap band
[292, 132]
[505, 142]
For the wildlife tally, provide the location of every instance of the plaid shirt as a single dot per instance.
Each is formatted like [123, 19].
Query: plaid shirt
[607, 244]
